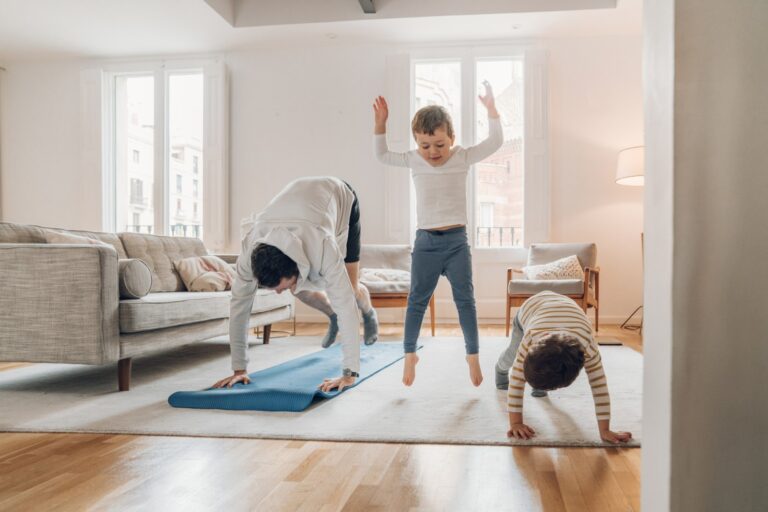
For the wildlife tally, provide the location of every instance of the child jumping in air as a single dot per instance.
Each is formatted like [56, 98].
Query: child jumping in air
[551, 342]
[439, 171]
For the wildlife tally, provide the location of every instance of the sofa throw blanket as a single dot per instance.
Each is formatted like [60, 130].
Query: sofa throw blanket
[205, 273]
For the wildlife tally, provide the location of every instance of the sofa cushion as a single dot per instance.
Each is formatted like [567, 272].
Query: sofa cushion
[386, 280]
[11, 233]
[539, 254]
[134, 278]
[169, 309]
[159, 253]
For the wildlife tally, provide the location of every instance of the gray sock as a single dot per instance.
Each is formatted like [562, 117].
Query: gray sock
[370, 327]
[539, 393]
[502, 379]
[333, 330]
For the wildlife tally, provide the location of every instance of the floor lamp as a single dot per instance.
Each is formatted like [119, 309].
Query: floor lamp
[630, 171]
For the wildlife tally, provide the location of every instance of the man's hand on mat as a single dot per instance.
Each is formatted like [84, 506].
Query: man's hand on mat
[615, 437]
[340, 382]
[239, 376]
[520, 431]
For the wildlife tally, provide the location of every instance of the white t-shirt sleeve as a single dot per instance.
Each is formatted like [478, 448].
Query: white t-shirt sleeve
[387, 157]
[342, 299]
[243, 292]
[490, 145]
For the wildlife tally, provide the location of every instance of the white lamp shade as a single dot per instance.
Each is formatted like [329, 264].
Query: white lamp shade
[631, 167]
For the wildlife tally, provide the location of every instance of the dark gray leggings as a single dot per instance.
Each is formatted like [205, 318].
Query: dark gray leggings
[437, 253]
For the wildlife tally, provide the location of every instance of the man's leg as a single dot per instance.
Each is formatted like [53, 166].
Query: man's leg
[363, 298]
[320, 302]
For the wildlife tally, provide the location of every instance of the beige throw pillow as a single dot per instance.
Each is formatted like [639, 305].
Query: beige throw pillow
[564, 268]
[205, 273]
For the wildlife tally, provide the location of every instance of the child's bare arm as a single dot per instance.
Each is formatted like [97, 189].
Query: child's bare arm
[517, 428]
[606, 434]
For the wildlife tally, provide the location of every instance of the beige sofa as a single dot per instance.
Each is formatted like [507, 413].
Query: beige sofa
[71, 302]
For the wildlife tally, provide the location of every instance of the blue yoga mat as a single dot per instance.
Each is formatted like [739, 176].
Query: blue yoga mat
[290, 386]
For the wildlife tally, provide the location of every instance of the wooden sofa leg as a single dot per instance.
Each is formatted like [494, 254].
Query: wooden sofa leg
[267, 332]
[124, 374]
[597, 323]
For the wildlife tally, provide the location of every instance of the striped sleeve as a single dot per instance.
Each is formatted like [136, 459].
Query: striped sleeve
[599, 385]
[516, 389]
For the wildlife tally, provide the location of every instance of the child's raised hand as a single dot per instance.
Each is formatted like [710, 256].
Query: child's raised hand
[380, 111]
[488, 100]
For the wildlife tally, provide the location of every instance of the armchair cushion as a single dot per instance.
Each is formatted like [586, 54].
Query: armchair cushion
[564, 268]
[386, 256]
[386, 280]
[532, 287]
[546, 253]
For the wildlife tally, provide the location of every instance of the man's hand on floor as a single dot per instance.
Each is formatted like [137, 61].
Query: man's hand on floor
[340, 382]
[239, 376]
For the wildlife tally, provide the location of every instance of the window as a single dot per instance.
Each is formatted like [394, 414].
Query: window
[136, 223]
[137, 192]
[194, 210]
[151, 116]
[508, 194]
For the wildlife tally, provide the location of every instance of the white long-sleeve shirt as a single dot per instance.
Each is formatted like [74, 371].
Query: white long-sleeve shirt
[441, 192]
[309, 222]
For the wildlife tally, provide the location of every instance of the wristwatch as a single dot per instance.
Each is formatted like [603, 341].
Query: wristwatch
[349, 373]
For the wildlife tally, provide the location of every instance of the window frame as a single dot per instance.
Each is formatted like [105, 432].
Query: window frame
[99, 132]
[536, 193]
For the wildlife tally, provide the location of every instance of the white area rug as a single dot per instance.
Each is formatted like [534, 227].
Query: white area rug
[441, 407]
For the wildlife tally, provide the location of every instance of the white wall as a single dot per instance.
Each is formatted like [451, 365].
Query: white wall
[307, 111]
[704, 443]
[43, 181]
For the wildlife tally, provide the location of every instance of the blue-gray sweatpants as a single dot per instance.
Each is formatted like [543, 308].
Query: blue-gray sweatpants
[437, 253]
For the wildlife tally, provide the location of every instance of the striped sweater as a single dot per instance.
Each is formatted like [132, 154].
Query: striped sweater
[548, 312]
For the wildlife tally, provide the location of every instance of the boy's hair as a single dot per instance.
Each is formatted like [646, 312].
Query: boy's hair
[431, 118]
[554, 362]
[270, 264]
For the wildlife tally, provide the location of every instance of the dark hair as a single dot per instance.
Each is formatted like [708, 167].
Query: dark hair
[431, 118]
[554, 362]
[270, 264]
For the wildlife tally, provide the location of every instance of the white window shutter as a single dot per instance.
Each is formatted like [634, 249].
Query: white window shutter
[92, 141]
[397, 181]
[216, 158]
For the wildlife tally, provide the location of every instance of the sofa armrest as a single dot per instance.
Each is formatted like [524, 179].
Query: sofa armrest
[59, 303]
[229, 258]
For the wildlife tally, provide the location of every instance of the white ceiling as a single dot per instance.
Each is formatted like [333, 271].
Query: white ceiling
[44, 29]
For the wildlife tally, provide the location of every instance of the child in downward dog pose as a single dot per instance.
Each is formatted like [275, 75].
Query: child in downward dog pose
[439, 171]
[551, 342]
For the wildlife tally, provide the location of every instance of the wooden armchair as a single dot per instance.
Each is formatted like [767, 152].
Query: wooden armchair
[585, 292]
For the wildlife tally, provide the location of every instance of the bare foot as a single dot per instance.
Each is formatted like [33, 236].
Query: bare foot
[475, 373]
[409, 371]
